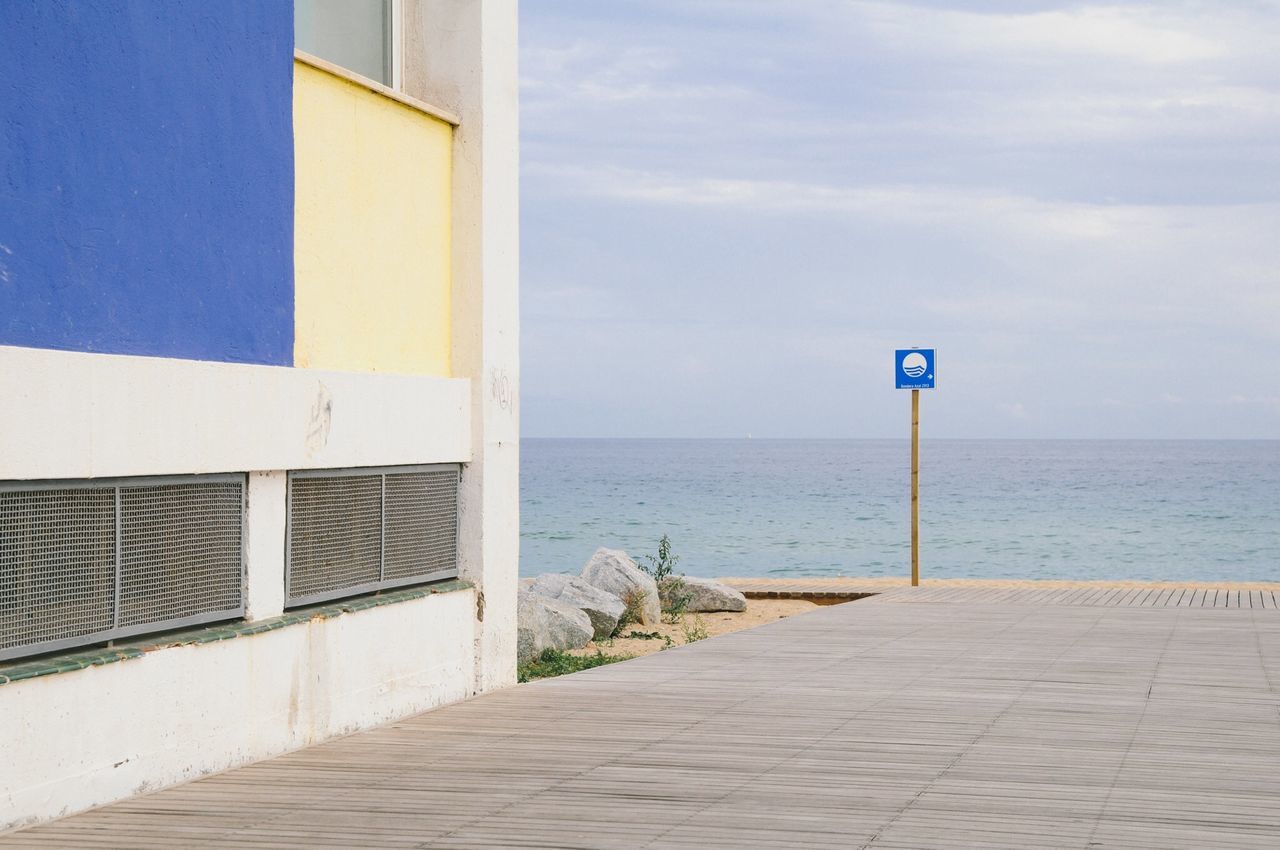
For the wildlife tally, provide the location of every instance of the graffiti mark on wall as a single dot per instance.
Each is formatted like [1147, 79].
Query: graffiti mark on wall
[500, 389]
[320, 420]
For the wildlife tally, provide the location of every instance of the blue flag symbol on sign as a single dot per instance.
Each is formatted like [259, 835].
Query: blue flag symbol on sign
[916, 368]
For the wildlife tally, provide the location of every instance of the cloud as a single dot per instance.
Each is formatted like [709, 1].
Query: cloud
[766, 197]
[918, 205]
[915, 204]
[588, 72]
[1146, 35]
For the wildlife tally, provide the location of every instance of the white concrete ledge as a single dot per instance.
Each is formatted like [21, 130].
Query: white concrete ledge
[77, 739]
[376, 87]
[73, 415]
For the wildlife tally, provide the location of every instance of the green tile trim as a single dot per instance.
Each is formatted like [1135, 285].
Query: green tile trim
[63, 663]
[138, 647]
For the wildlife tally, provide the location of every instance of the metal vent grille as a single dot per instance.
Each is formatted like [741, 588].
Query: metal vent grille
[180, 554]
[57, 565]
[335, 534]
[357, 531]
[83, 562]
[422, 524]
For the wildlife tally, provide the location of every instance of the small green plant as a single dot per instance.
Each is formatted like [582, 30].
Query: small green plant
[633, 612]
[695, 631]
[664, 565]
[554, 662]
[667, 641]
[675, 596]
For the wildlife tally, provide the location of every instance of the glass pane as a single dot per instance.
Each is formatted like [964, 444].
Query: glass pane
[355, 34]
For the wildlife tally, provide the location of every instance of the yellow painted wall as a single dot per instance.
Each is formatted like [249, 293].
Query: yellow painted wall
[371, 239]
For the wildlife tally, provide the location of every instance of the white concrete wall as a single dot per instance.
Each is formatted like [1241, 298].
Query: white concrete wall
[265, 526]
[73, 415]
[467, 64]
[78, 739]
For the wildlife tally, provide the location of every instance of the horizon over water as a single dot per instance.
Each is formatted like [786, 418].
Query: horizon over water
[1186, 510]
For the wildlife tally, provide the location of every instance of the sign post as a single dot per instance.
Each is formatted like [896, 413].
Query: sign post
[915, 488]
[915, 370]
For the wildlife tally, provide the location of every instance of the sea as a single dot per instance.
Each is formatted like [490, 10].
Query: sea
[1194, 510]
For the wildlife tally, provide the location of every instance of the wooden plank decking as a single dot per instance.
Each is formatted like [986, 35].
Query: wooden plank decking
[962, 722]
[1115, 594]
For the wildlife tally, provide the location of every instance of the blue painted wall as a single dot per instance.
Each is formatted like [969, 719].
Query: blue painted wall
[146, 177]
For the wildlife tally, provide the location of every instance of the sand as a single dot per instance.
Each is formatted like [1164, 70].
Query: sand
[759, 612]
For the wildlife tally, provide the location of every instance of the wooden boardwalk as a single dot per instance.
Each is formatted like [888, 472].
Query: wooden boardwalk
[1114, 594]
[881, 723]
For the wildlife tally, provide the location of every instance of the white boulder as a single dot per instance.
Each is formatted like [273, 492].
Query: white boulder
[705, 594]
[612, 571]
[603, 607]
[542, 622]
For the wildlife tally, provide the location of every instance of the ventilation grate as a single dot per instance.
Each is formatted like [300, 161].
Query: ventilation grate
[180, 554]
[422, 524]
[57, 565]
[357, 531]
[84, 562]
[335, 534]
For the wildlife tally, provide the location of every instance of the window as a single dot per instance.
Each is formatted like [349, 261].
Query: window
[359, 35]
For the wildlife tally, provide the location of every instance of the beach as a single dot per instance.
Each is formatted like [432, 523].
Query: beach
[710, 625]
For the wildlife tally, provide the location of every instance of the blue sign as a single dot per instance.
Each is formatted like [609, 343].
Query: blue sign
[915, 368]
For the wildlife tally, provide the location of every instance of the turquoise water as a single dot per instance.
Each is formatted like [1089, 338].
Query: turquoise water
[1179, 510]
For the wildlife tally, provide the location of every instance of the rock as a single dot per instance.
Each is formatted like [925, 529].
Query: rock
[707, 594]
[542, 622]
[526, 583]
[612, 571]
[601, 606]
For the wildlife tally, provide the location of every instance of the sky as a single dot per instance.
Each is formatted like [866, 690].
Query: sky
[733, 211]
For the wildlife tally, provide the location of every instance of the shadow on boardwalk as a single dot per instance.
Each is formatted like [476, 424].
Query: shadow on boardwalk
[883, 722]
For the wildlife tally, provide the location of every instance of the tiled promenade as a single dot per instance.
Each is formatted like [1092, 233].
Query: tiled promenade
[933, 717]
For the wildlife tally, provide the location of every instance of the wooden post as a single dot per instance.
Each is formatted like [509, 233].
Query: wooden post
[915, 488]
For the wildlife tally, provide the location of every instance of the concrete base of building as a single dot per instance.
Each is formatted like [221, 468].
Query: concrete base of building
[77, 739]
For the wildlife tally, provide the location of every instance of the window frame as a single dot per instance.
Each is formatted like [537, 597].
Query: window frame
[395, 46]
